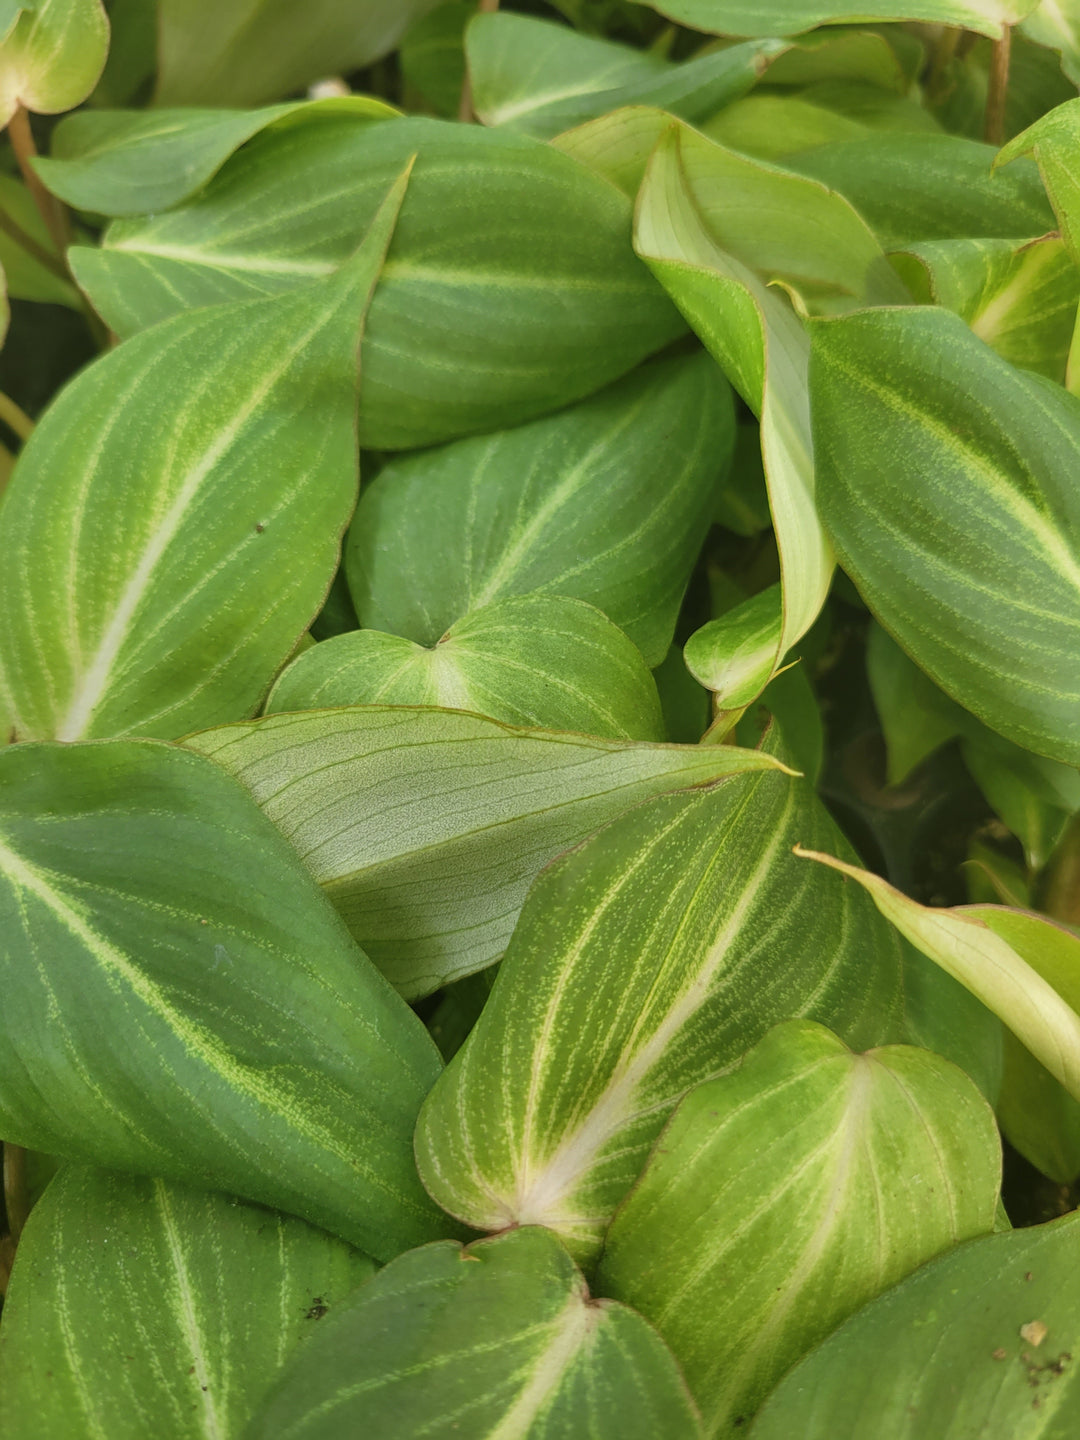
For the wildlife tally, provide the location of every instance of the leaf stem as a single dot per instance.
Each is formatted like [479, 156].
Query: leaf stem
[26, 242]
[52, 212]
[15, 417]
[465, 109]
[16, 1199]
[994, 126]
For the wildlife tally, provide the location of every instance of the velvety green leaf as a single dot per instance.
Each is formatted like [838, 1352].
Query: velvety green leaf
[772, 126]
[530, 660]
[1038, 1116]
[911, 188]
[685, 704]
[787, 17]
[27, 277]
[203, 1296]
[1053, 142]
[174, 522]
[245, 52]
[1023, 967]
[510, 289]
[567, 505]
[427, 827]
[1056, 23]
[644, 962]
[160, 1020]
[432, 57]
[135, 162]
[735, 655]
[132, 61]
[51, 57]
[542, 78]
[943, 1354]
[810, 1180]
[1018, 296]
[500, 1340]
[946, 480]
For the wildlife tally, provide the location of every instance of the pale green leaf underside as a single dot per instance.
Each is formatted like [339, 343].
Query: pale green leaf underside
[735, 655]
[51, 58]
[788, 17]
[510, 289]
[158, 1021]
[953, 1361]
[811, 1179]
[644, 963]
[426, 827]
[533, 660]
[946, 480]
[568, 506]
[204, 1297]
[174, 523]
[497, 1341]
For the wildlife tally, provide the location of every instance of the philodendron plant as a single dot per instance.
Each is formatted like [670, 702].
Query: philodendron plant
[540, 720]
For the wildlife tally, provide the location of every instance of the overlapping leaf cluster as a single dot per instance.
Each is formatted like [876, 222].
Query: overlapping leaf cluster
[529, 490]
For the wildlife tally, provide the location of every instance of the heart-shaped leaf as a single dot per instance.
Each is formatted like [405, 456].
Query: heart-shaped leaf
[500, 1339]
[426, 827]
[510, 289]
[51, 57]
[160, 1020]
[204, 1296]
[951, 1351]
[174, 523]
[530, 660]
[946, 480]
[644, 962]
[782, 1197]
[566, 505]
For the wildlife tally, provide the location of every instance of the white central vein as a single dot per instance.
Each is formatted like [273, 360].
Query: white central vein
[574, 1325]
[212, 1425]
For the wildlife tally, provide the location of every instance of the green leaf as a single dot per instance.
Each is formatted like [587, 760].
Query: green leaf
[810, 1180]
[203, 1296]
[50, 59]
[1018, 296]
[942, 1016]
[1056, 23]
[27, 277]
[788, 17]
[644, 962]
[174, 523]
[946, 480]
[136, 162]
[245, 52]
[159, 1020]
[427, 827]
[912, 188]
[500, 1340]
[432, 57]
[953, 1360]
[543, 78]
[510, 289]
[530, 660]
[567, 506]
[1023, 967]
[1038, 1116]
[916, 717]
[735, 656]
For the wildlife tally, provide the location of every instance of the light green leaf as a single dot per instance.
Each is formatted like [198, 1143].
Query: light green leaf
[510, 289]
[1056, 23]
[735, 656]
[174, 522]
[1018, 296]
[943, 1353]
[566, 505]
[772, 126]
[1038, 1116]
[432, 57]
[245, 52]
[427, 827]
[889, 59]
[942, 1016]
[203, 1296]
[27, 277]
[136, 162]
[543, 78]
[644, 962]
[50, 59]
[530, 660]
[781, 1198]
[788, 17]
[498, 1340]
[158, 1020]
[790, 700]
[1023, 967]
[946, 480]
[912, 188]
[689, 208]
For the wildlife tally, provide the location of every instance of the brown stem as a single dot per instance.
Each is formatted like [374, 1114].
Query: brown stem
[26, 242]
[16, 1199]
[465, 110]
[52, 212]
[994, 127]
[1061, 883]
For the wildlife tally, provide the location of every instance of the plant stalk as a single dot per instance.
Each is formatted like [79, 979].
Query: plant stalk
[994, 126]
[26, 241]
[52, 212]
[465, 109]
[16, 1199]
[15, 417]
